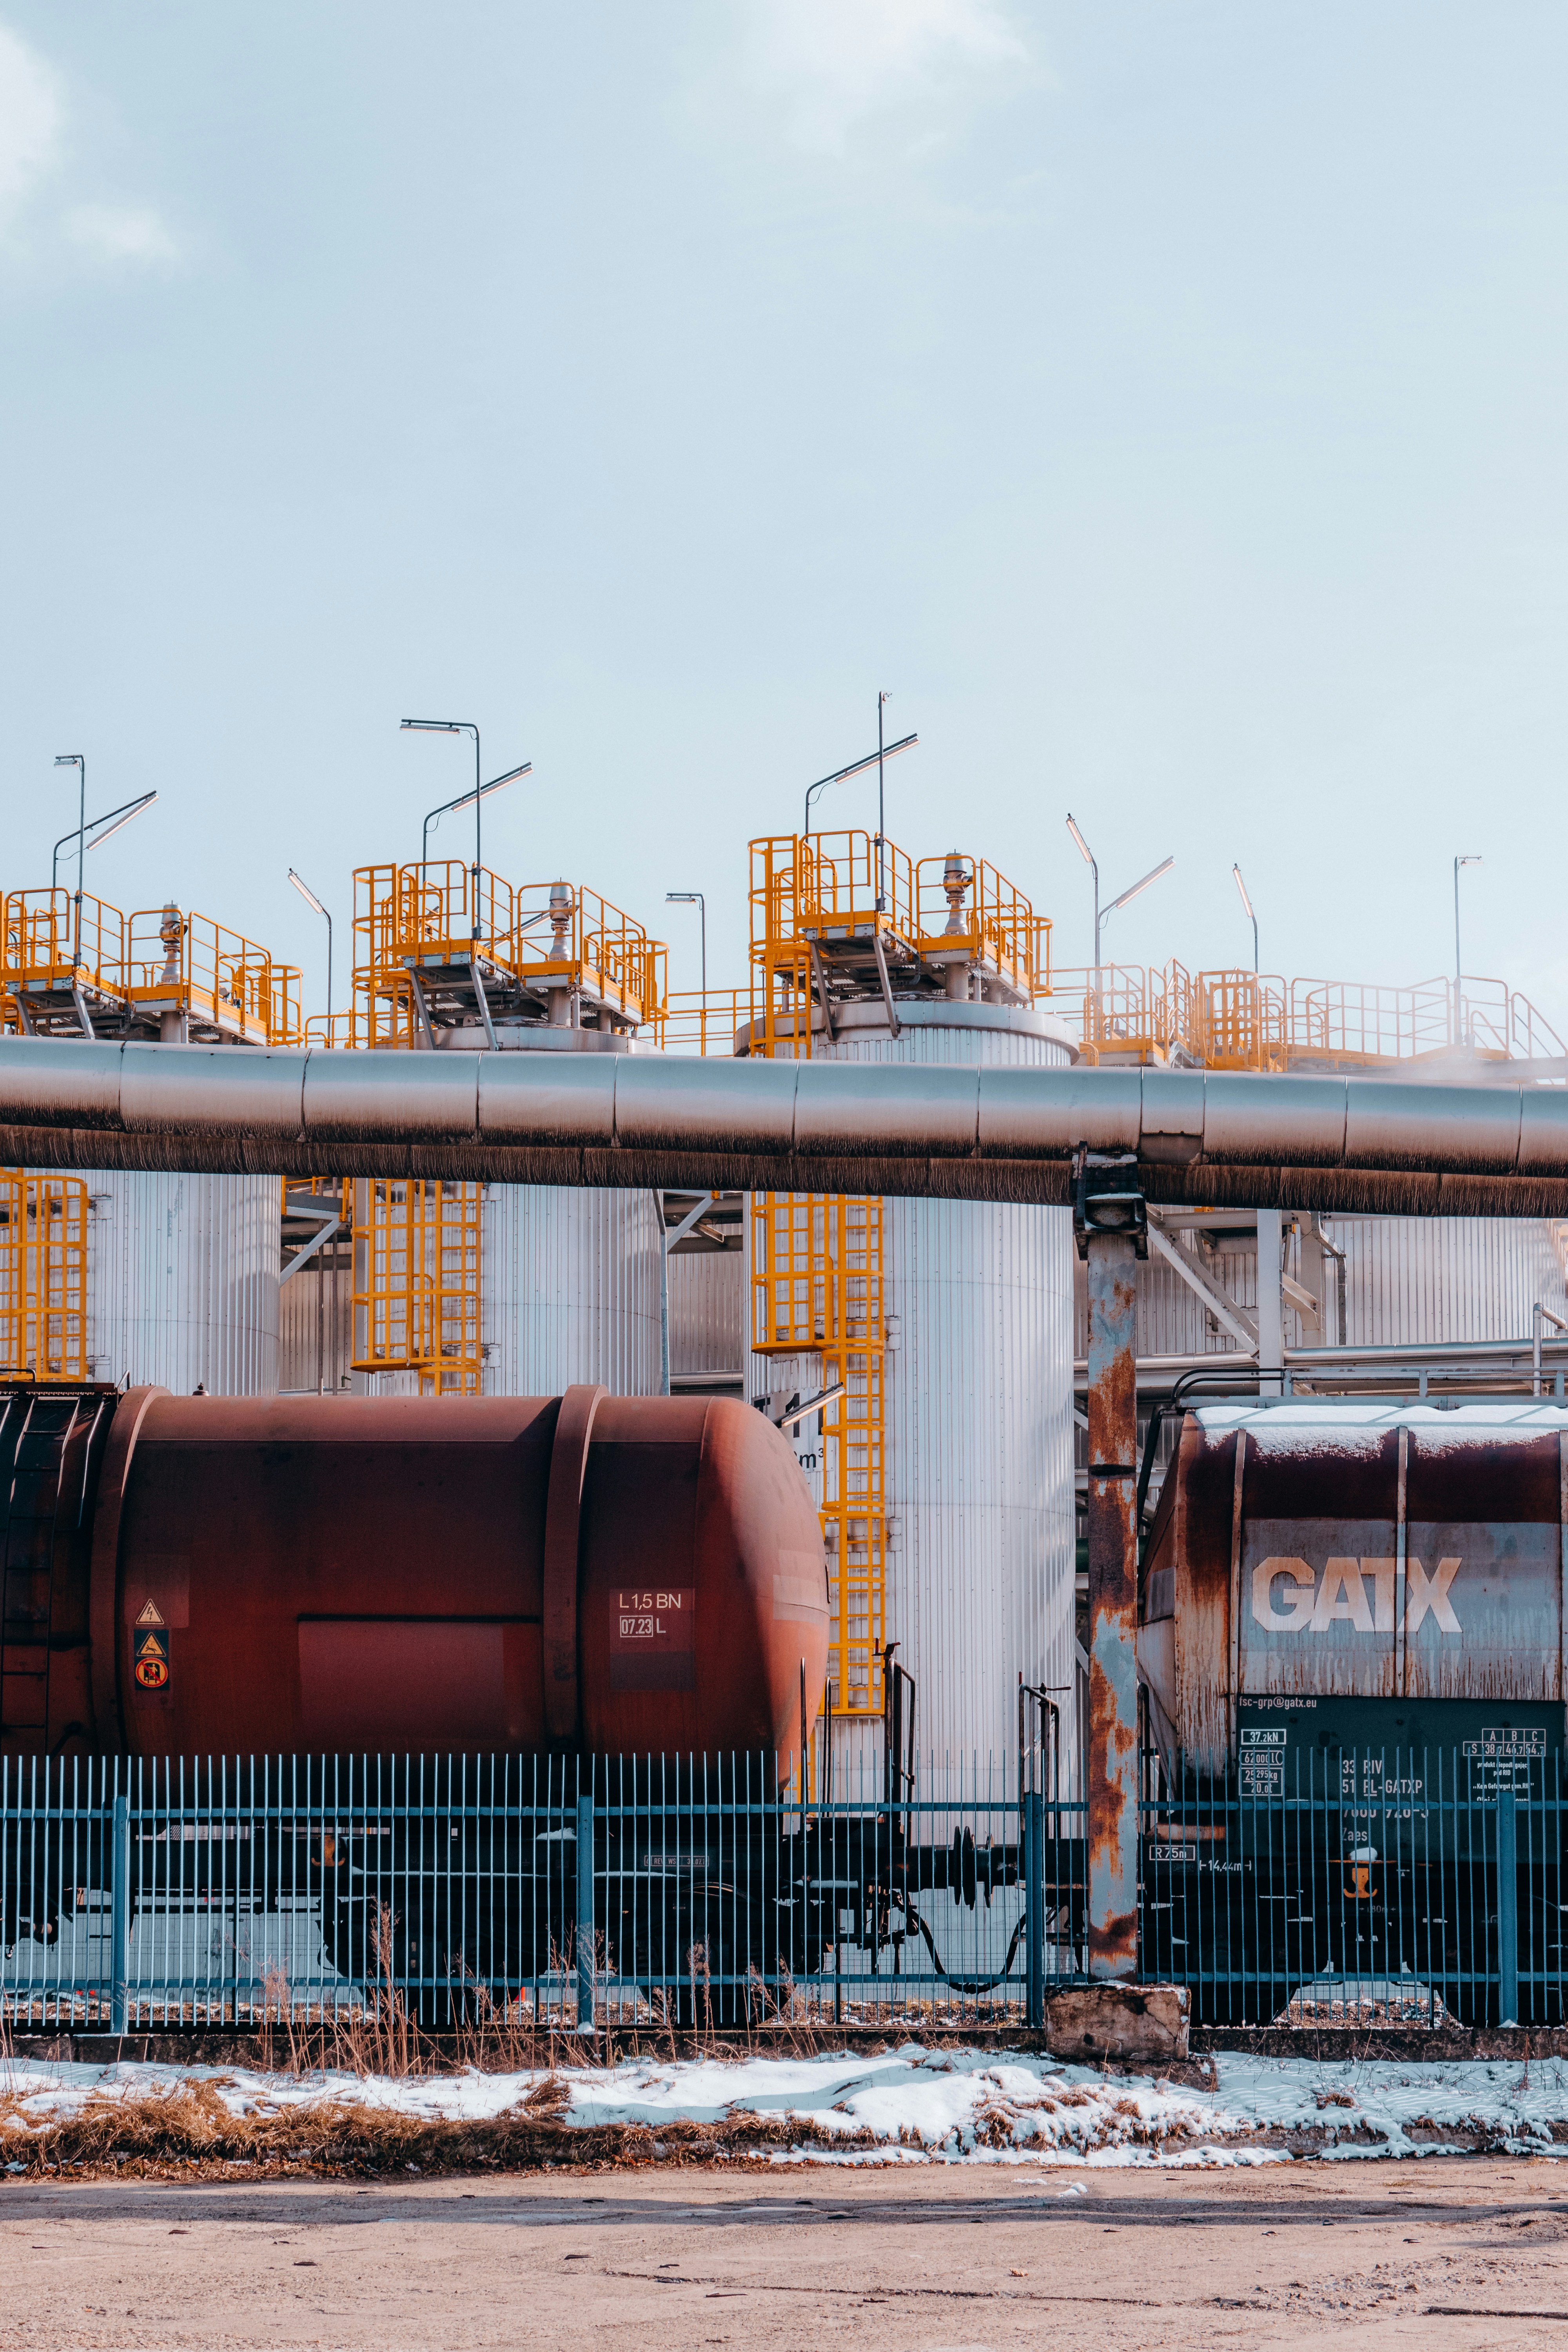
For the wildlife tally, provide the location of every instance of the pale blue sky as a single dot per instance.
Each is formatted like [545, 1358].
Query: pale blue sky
[1164, 401]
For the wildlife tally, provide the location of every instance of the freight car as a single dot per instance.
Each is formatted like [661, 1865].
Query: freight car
[590, 1595]
[1351, 1639]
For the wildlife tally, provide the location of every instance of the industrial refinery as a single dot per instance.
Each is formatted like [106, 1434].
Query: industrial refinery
[738, 1467]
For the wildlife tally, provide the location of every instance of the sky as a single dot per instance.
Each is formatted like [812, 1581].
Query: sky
[1163, 401]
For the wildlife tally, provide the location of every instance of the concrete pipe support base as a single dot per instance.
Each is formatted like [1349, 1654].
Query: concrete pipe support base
[1131, 2024]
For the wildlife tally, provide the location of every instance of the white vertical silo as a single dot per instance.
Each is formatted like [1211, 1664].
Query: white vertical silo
[978, 1374]
[569, 1290]
[182, 1281]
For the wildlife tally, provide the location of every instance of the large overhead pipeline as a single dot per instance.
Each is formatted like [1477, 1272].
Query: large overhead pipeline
[1216, 1138]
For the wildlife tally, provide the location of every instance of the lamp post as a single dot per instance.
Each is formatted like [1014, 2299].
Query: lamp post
[462, 801]
[111, 820]
[460, 727]
[1088, 858]
[75, 760]
[1459, 973]
[876, 758]
[694, 898]
[1127, 895]
[881, 763]
[310, 900]
[1250, 915]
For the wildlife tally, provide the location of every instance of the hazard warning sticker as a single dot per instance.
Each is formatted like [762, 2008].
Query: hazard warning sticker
[150, 1654]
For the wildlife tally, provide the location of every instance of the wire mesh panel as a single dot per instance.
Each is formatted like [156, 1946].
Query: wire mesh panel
[661, 1893]
[1386, 1886]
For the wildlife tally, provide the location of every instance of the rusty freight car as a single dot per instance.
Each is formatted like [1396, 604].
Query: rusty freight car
[1358, 1575]
[1351, 1644]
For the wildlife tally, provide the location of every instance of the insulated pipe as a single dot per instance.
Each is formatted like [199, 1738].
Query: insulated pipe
[1219, 1137]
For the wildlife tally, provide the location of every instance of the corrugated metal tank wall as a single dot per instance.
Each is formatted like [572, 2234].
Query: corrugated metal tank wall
[707, 1311]
[183, 1281]
[315, 1328]
[569, 1290]
[978, 1478]
[1409, 1282]
[1416, 1280]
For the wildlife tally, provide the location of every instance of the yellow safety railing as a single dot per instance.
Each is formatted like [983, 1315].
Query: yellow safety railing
[417, 1282]
[45, 942]
[1243, 1020]
[43, 1276]
[818, 1290]
[156, 960]
[962, 902]
[565, 935]
[549, 935]
[699, 1023]
[220, 980]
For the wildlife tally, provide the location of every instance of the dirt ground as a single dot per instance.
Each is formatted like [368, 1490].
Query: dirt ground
[1460, 2253]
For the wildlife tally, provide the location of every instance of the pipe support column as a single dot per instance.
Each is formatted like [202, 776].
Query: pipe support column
[1112, 1747]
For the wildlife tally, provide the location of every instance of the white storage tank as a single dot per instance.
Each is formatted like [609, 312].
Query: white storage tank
[1406, 1282]
[978, 1468]
[182, 1281]
[569, 1290]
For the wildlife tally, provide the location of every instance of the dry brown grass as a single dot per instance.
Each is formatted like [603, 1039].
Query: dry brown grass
[189, 2131]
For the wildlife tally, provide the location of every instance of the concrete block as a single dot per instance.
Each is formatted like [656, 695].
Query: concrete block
[1134, 2024]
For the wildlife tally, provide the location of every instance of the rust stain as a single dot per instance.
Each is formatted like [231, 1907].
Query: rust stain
[1111, 1792]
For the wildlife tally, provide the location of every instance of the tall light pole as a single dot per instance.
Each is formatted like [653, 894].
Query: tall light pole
[1124, 900]
[1087, 855]
[75, 760]
[694, 898]
[882, 699]
[1459, 970]
[1250, 915]
[111, 821]
[876, 758]
[460, 727]
[310, 900]
[462, 801]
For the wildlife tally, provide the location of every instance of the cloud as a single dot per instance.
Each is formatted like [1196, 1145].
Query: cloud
[120, 233]
[837, 62]
[38, 170]
[30, 116]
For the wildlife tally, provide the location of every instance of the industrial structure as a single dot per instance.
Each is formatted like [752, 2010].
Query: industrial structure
[937, 1331]
[926, 1357]
[458, 1288]
[114, 1274]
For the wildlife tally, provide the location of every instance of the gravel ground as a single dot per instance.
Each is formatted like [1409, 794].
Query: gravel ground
[1454, 2253]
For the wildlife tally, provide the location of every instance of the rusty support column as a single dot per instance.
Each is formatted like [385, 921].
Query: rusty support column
[1110, 1224]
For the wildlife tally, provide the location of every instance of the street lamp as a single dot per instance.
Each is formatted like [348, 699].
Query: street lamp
[1459, 974]
[1250, 915]
[856, 768]
[75, 760]
[111, 822]
[694, 898]
[310, 900]
[1088, 858]
[460, 727]
[462, 801]
[1127, 895]
[881, 762]
[1457, 863]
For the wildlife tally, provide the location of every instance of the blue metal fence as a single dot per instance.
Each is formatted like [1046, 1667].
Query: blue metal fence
[648, 1893]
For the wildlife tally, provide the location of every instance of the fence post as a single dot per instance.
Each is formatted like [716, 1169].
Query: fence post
[1035, 1906]
[584, 1913]
[1507, 1909]
[120, 1912]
